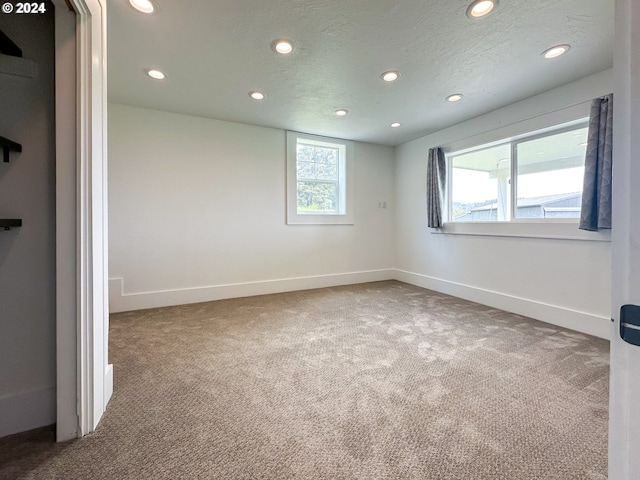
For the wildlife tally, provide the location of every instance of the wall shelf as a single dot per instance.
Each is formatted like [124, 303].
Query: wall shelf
[9, 223]
[8, 146]
[8, 47]
[11, 61]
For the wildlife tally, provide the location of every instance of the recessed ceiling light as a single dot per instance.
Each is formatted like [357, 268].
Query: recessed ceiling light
[456, 97]
[341, 112]
[556, 51]
[282, 46]
[144, 6]
[157, 74]
[480, 8]
[390, 76]
[395, 124]
[256, 95]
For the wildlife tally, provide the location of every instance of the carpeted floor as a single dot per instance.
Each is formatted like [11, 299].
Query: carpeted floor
[374, 381]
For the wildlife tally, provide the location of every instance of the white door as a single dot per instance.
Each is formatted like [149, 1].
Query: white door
[624, 404]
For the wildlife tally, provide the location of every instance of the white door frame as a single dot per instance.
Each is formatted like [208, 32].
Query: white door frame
[624, 418]
[84, 376]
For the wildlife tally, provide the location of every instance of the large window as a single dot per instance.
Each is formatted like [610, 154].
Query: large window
[319, 179]
[536, 177]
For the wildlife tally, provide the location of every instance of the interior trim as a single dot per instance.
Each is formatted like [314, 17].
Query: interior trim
[583, 322]
[122, 302]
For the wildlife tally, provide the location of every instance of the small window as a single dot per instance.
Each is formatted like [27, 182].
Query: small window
[536, 177]
[319, 179]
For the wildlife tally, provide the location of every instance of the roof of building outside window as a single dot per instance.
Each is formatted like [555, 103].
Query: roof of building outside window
[533, 201]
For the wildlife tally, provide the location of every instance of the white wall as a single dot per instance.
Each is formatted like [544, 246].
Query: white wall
[197, 213]
[566, 282]
[27, 254]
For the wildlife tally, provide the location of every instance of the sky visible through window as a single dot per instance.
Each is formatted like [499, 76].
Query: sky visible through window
[473, 186]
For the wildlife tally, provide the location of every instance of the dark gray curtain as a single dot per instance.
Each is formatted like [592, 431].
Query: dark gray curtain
[436, 181]
[595, 213]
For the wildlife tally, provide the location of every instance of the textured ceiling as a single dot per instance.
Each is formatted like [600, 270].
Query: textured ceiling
[215, 51]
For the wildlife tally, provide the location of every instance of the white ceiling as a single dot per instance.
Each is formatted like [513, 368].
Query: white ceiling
[215, 51]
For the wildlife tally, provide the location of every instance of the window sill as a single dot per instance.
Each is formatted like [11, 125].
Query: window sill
[525, 229]
[311, 219]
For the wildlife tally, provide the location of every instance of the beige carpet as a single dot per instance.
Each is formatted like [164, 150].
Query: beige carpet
[375, 381]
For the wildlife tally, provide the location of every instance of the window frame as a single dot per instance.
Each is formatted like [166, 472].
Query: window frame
[512, 142]
[345, 181]
[550, 228]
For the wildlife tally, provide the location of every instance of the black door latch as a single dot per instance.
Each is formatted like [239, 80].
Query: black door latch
[630, 324]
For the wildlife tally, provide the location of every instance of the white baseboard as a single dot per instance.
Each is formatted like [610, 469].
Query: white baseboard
[560, 316]
[26, 411]
[119, 301]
